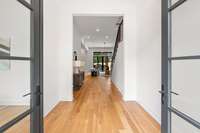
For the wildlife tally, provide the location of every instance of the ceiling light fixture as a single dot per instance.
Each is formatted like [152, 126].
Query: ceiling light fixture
[106, 37]
[88, 37]
[97, 30]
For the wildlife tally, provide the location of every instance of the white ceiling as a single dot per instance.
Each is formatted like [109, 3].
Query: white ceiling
[106, 24]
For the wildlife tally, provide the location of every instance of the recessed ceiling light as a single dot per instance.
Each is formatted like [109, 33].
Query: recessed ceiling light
[88, 37]
[106, 37]
[97, 30]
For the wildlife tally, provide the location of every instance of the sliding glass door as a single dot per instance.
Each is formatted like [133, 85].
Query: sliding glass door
[180, 66]
[21, 66]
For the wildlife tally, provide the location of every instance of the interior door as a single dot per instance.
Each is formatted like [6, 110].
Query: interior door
[21, 66]
[180, 66]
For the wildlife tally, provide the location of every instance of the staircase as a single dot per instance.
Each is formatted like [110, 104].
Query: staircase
[118, 39]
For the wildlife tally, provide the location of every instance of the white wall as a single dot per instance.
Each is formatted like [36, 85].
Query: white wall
[76, 39]
[149, 55]
[51, 56]
[118, 69]
[119, 7]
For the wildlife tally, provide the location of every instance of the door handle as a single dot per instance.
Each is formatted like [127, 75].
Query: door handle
[162, 92]
[174, 93]
[162, 96]
[25, 95]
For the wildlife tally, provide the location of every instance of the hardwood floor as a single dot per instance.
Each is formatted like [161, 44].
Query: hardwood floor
[99, 108]
[7, 113]
[21, 127]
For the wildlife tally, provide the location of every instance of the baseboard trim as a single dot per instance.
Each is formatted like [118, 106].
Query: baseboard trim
[154, 119]
[153, 115]
[54, 108]
[118, 89]
[146, 114]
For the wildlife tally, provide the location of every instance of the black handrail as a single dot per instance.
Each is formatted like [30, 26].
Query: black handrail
[118, 39]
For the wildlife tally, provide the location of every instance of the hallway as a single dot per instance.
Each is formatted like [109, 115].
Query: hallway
[98, 108]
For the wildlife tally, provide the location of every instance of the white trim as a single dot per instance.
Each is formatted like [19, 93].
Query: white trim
[155, 115]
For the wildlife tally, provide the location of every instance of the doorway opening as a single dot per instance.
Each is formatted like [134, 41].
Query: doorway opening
[95, 42]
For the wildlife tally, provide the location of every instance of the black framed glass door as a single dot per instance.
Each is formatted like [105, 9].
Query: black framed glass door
[180, 66]
[21, 98]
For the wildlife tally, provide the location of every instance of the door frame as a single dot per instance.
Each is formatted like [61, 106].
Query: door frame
[165, 97]
[166, 48]
[36, 69]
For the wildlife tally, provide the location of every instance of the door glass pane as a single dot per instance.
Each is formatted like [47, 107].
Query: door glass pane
[14, 29]
[21, 127]
[15, 82]
[179, 125]
[186, 82]
[186, 29]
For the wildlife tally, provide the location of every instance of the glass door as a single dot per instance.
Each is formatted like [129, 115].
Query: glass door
[180, 66]
[21, 66]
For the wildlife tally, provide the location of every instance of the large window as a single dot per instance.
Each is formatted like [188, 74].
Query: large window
[102, 60]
